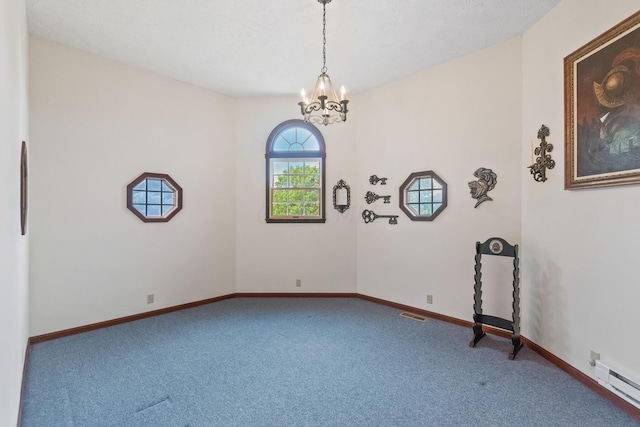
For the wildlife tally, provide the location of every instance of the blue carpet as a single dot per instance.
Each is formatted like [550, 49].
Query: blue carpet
[299, 362]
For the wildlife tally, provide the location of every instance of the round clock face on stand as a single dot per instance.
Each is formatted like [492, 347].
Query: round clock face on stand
[496, 246]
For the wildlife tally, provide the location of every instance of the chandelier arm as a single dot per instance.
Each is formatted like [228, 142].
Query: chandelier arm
[335, 106]
[339, 107]
[310, 108]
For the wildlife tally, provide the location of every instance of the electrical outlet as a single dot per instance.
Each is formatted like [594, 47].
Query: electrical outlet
[429, 299]
[150, 298]
[298, 283]
[593, 357]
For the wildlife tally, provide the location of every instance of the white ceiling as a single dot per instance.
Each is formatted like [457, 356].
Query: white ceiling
[245, 48]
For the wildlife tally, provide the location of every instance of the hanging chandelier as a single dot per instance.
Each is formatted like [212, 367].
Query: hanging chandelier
[324, 106]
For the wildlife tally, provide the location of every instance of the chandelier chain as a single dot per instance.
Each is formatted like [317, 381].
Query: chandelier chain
[324, 106]
[324, 38]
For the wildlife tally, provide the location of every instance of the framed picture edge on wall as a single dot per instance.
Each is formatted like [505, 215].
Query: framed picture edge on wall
[23, 188]
[581, 151]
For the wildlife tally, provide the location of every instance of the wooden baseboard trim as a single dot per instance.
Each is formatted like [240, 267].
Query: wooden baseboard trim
[572, 371]
[80, 329]
[575, 373]
[295, 295]
[460, 322]
[99, 325]
[415, 310]
[584, 379]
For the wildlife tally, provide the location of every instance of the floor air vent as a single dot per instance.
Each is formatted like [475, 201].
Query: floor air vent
[618, 383]
[412, 316]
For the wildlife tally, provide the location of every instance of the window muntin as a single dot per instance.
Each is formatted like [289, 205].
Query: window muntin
[423, 195]
[154, 197]
[295, 138]
[295, 173]
[296, 187]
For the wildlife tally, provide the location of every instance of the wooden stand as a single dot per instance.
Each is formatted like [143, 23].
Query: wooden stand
[500, 247]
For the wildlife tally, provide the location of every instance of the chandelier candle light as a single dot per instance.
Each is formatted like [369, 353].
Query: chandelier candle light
[324, 106]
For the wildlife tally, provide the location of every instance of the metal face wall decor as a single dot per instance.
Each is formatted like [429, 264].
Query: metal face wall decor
[543, 158]
[602, 109]
[486, 182]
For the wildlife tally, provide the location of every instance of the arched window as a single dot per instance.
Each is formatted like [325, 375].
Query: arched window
[295, 157]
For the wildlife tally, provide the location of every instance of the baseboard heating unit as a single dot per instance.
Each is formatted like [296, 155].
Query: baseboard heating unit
[618, 383]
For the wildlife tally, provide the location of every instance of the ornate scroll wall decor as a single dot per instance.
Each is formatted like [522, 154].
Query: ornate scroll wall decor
[543, 159]
[341, 196]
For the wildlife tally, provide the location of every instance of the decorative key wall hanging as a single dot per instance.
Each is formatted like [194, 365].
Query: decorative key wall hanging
[370, 216]
[371, 197]
[373, 179]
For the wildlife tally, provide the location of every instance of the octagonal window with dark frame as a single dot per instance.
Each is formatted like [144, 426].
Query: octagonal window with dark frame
[423, 196]
[154, 197]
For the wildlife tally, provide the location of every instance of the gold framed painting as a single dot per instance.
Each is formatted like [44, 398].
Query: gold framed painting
[602, 109]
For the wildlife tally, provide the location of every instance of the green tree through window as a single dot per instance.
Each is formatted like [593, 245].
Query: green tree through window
[295, 179]
[296, 190]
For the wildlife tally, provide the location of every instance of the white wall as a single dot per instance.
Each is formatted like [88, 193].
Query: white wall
[270, 257]
[13, 246]
[96, 125]
[580, 251]
[452, 119]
